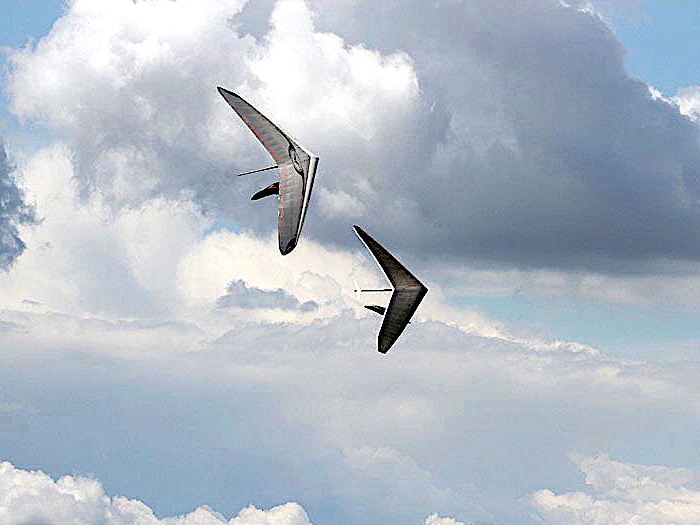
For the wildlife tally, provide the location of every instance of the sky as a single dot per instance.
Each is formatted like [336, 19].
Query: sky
[536, 166]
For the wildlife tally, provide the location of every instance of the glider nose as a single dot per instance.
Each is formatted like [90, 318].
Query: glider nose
[384, 345]
[284, 250]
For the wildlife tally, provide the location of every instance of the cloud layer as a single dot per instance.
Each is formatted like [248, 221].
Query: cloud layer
[75, 343]
[461, 129]
[239, 295]
[138, 323]
[32, 497]
[624, 494]
[553, 155]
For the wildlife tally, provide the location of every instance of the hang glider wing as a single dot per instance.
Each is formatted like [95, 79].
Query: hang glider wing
[296, 166]
[407, 295]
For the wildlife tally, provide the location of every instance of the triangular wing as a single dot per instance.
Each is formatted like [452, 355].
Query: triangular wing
[408, 292]
[296, 165]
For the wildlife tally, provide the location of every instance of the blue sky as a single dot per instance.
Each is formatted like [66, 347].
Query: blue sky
[23, 21]
[27, 19]
[117, 364]
[661, 38]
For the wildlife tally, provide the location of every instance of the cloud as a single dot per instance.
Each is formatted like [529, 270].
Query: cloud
[368, 424]
[85, 258]
[163, 260]
[553, 156]
[434, 519]
[32, 497]
[624, 494]
[679, 281]
[12, 407]
[336, 420]
[110, 316]
[240, 295]
[688, 100]
[166, 131]
[14, 211]
[462, 145]
[606, 9]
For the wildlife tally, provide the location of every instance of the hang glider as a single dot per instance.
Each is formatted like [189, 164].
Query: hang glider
[407, 293]
[295, 165]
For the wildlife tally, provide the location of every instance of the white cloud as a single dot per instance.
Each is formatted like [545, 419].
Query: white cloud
[333, 204]
[625, 494]
[435, 519]
[537, 163]
[461, 148]
[665, 284]
[688, 100]
[84, 258]
[374, 117]
[139, 281]
[161, 260]
[33, 497]
[136, 100]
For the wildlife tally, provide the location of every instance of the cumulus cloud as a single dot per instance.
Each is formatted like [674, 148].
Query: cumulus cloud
[688, 100]
[373, 420]
[606, 9]
[164, 260]
[435, 519]
[34, 497]
[165, 130]
[14, 211]
[553, 155]
[340, 422]
[460, 143]
[84, 258]
[680, 283]
[469, 142]
[240, 295]
[624, 494]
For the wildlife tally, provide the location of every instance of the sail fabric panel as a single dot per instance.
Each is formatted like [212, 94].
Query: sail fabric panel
[402, 306]
[291, 192]
[407, 295]
[396, 272]
[274, 140]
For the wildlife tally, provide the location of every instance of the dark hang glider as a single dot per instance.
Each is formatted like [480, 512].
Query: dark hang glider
[407, 293]
[296, 167]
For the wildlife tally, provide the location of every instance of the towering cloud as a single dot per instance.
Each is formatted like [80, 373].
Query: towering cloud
[468, 130]
[14, 211]
[33, 497]
[624, 494]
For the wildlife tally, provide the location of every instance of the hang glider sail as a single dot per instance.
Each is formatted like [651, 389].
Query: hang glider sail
[295, 165]
[407, 293]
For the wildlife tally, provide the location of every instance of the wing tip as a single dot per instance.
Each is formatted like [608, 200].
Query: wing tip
[359, 231]
[226, 93]
[285, 249]
[383, 347]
